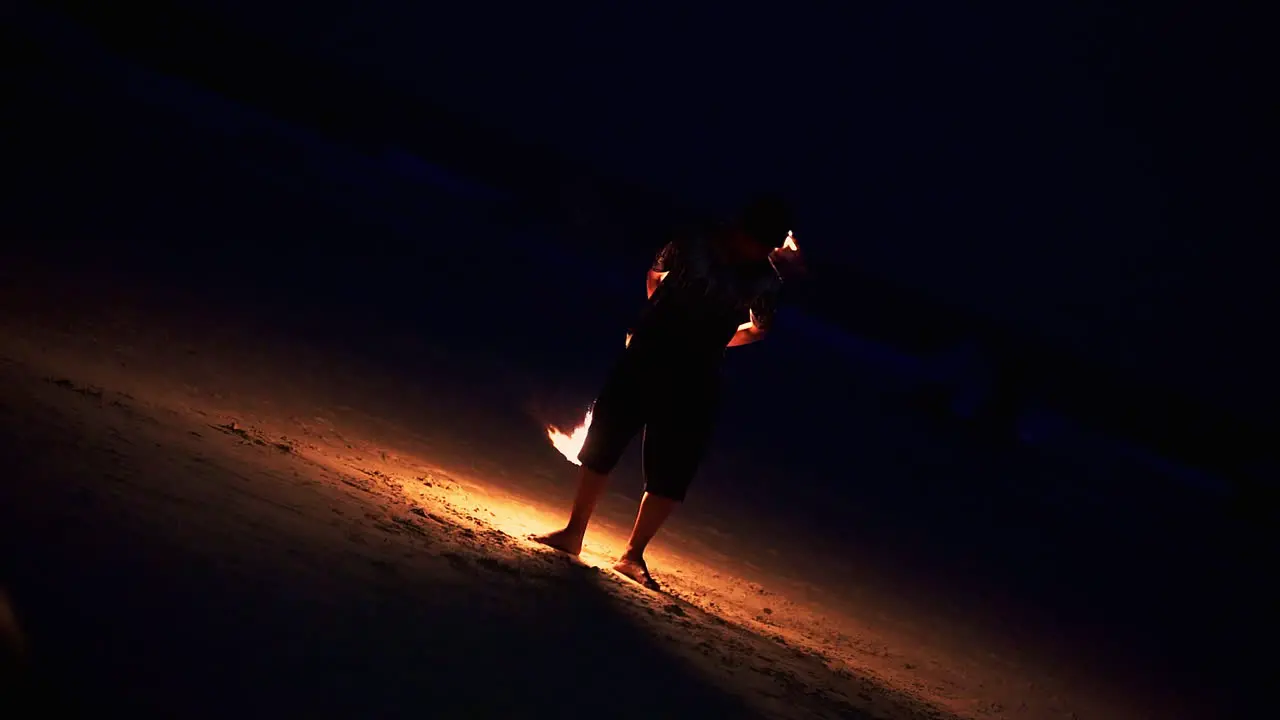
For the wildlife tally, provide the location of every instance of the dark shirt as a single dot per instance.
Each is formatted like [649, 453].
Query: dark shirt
[699, 305]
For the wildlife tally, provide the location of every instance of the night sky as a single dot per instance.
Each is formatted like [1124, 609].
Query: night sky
[1085, 176]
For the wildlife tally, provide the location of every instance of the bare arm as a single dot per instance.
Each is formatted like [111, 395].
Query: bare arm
[652, 282]
[667, 258]
[759, 316]
[748, 332]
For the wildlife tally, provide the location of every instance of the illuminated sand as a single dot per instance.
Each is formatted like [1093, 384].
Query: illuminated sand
[369, 492]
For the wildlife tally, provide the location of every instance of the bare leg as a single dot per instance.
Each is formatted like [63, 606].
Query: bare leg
[590, 488]
[654, 511]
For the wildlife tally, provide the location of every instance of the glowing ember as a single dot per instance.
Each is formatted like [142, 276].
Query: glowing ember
[790, 243]
[570, 444]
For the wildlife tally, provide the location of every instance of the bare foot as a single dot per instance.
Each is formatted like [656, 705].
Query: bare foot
[562, 540]
[635, 569]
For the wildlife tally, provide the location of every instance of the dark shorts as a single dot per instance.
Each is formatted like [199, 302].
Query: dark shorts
[675, 406]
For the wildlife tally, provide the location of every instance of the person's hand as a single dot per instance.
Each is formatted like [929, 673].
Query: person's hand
[788, 259]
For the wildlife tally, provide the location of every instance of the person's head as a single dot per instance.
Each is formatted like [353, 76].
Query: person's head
[765, 222]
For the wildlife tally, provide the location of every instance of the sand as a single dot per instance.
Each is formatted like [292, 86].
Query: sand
[209, 521]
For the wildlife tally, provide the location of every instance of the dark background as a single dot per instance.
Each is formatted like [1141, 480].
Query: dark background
[1074, 187]
[1081, 173]
[1070, 189]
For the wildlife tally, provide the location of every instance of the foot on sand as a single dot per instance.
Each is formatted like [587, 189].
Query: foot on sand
[562, 540]
[635, 569]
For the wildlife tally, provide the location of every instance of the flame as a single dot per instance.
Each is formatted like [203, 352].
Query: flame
[790, 243]
[570, 444]
[786, 258]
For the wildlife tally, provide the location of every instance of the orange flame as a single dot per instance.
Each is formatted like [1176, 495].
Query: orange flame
[790, 243]
[570, 444]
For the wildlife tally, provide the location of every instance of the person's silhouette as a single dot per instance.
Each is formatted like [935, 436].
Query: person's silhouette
[708, 290]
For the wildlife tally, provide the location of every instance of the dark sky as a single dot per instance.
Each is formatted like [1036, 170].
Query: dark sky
[1079, 174]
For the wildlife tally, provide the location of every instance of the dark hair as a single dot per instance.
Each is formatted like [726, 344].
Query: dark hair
[767, 219]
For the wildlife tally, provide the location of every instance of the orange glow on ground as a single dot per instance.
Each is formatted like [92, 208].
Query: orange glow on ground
[731, 600]
[520, 517]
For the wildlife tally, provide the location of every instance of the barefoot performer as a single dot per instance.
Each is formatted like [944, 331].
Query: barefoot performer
[701, 286]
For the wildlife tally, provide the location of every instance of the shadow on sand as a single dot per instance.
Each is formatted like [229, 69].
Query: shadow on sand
[182, 618]
[119, 621]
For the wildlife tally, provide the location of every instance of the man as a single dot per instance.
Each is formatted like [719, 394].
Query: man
[708, 290]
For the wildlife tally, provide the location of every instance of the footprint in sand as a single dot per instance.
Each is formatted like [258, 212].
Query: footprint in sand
[458, 562]
[489, 563]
